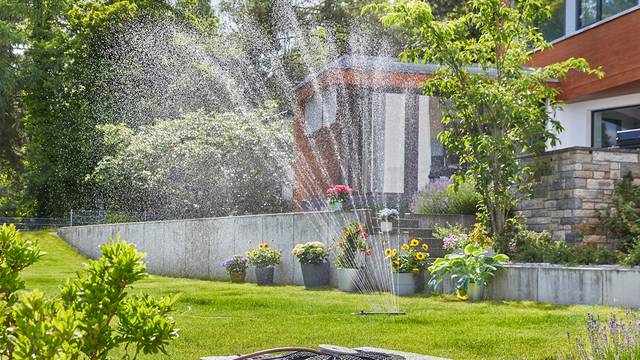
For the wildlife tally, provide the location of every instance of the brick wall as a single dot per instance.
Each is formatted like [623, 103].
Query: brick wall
[575, 184]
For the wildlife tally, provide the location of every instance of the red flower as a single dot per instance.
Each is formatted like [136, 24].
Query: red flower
[340, 245]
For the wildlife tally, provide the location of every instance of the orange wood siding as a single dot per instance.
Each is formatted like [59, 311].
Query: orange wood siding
[613, 45]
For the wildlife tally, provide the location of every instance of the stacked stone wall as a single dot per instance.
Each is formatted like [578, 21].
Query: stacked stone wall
[574, 186]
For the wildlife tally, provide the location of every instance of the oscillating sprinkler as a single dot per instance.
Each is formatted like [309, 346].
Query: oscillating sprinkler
[365, 313]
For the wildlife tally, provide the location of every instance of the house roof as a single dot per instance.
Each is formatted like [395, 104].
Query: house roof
[385, 65]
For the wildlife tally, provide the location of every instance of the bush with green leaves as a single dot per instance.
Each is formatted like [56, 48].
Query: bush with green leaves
[94, 314]
[440, 197]
[472, 266]
[632, 258]
[622, 218]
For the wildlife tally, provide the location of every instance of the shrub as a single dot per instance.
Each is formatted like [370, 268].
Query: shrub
[439, 197]
[311, 253]
[456, 237]
[633, 257]
[539, 247]
[264, 255]
[93, 315]
[622, 218]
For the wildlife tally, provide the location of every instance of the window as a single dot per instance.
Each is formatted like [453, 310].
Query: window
[592, 11]
[320, 110]
[553, 28]
[607, 123]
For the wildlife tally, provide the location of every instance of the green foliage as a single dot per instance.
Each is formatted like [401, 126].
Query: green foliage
[351, 243]
[632, 258]
[264, 255]
[198, 165]
[538, 247]
[494, 111]
[622, 218]
[473, 266]
[94, 314]
[311, 253]
[441, 198]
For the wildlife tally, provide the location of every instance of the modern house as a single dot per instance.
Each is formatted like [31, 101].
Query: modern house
[362, 121]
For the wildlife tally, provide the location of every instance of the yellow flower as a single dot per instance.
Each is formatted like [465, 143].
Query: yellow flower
[415, 269]
[405, 247]
[253, 253]
[394, 252]
[396, 262]
[265, 246]
[248, 253]
[387, 252]
[420, 256]
[260, 246]
[425, 247]
[415, 242]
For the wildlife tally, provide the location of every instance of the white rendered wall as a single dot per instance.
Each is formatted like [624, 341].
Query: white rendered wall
[424, 141]
[576, 118]
[394, 143]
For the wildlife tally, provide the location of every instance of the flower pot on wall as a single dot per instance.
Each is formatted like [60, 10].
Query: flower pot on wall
[386, 226]
[315, 275]
[348, 279]
[475, 292]
[336, 206]
[237, 277]
[264, 275]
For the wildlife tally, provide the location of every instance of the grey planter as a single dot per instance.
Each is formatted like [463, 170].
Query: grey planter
[264, 275]
[475, 292]
[315, 275]
[348, 279]
[405, 283]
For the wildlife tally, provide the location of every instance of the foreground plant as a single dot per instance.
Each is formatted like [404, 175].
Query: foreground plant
[494, 110]
[94, 314]
[351, 243]
[610, 338]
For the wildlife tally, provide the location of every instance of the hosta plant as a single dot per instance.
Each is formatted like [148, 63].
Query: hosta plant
[473, 266]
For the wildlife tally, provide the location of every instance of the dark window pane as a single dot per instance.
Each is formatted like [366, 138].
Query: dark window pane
[588, 12]
[607, 123]
[553, 28]
[612, 7]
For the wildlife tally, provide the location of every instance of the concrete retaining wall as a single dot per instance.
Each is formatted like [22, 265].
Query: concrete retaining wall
[593, 285]
[196, 248]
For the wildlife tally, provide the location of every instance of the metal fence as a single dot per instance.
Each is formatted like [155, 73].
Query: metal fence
[29, 223]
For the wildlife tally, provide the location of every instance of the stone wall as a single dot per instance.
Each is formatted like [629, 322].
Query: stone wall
[575, 184]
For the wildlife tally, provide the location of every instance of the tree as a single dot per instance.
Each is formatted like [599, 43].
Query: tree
[198, 165]
[495, 109]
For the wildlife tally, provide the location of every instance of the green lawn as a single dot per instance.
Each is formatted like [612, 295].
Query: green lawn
[222, 318]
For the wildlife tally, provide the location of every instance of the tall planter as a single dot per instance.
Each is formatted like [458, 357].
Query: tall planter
[475, 292]
[264, 275]
[315, 275]
[408, 283]
[349, 279]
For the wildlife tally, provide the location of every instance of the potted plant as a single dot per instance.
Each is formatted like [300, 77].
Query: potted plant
[337, 196]
[469, 271]
[408, 265]
[314, 261]
[236, 267]
[264, 258]
[350, 248]
[387, 216]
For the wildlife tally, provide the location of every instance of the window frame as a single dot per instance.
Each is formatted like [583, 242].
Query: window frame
[593, 120]
[580, 26]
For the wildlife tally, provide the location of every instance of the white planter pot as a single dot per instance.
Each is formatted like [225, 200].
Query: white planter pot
[404, 284]
[475, 292]
[386, 226]
[349, 279]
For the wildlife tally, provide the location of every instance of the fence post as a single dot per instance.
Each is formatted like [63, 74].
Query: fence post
[71, 217]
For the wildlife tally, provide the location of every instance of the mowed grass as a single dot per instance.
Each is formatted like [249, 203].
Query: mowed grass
[218, 318]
